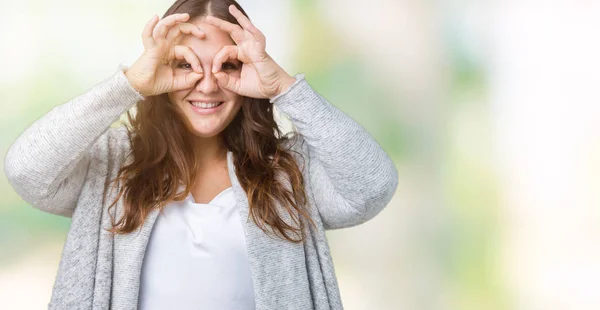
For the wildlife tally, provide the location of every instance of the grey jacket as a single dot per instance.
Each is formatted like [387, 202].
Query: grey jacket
[62, 163]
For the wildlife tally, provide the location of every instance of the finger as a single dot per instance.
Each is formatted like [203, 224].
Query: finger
[228, 81]
[184, 52]
[228, 52]
[235, 31]
[222, 24]
[147, 39]
[245, 22]
[160, 31]
[187, 80]
[184, 28]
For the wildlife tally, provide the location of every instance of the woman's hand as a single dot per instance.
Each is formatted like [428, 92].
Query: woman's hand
[152, 74]
[261, 76]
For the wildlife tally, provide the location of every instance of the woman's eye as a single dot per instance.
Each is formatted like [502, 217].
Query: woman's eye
[184, 65]
[229, 65]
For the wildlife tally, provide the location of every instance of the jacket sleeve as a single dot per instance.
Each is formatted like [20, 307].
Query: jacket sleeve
[49, 161]
[351, 176]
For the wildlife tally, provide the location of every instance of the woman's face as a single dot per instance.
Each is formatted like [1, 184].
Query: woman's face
[196, 102]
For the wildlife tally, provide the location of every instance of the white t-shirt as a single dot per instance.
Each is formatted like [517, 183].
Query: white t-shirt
[196, 258]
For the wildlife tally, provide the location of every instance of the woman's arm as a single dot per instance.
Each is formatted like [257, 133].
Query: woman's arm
[48, 163]
[352, 178]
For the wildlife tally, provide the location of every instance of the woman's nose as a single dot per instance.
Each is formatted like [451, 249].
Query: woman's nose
[208, 83]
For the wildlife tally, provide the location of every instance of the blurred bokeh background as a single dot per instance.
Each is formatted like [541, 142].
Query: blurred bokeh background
[490, 110]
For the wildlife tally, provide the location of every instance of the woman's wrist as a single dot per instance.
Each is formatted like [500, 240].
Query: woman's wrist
[285, 83]
[132, 82]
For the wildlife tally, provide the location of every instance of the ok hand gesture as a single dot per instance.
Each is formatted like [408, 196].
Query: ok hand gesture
[151, 74]
[261, 76]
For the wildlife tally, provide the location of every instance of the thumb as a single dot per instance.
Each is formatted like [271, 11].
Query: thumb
[228, 82]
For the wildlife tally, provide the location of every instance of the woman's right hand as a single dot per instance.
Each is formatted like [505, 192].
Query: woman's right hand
[152, 73]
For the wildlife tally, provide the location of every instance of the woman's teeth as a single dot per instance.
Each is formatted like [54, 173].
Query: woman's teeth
[204, 105]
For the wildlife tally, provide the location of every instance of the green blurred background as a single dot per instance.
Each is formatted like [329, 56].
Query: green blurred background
[487, 108]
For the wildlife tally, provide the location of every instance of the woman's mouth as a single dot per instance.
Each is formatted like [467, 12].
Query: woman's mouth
[206, 107]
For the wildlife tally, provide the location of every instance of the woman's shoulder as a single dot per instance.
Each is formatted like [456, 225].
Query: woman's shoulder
[294, 141]
[113, 144]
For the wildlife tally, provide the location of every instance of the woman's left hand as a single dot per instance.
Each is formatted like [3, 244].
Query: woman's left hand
[261, 76]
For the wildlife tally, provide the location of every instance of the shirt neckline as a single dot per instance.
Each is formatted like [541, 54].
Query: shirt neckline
[193, 202]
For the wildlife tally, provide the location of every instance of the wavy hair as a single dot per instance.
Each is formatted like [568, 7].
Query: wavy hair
[163, 156]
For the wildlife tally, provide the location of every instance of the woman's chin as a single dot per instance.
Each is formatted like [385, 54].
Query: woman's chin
[206, 132]
[211, 125]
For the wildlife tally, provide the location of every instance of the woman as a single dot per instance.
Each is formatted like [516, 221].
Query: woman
[202, 203]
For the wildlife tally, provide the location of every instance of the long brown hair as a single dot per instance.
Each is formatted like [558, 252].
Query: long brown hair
[163, 157]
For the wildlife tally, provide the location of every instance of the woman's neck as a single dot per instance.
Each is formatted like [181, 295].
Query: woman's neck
[211, 151]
